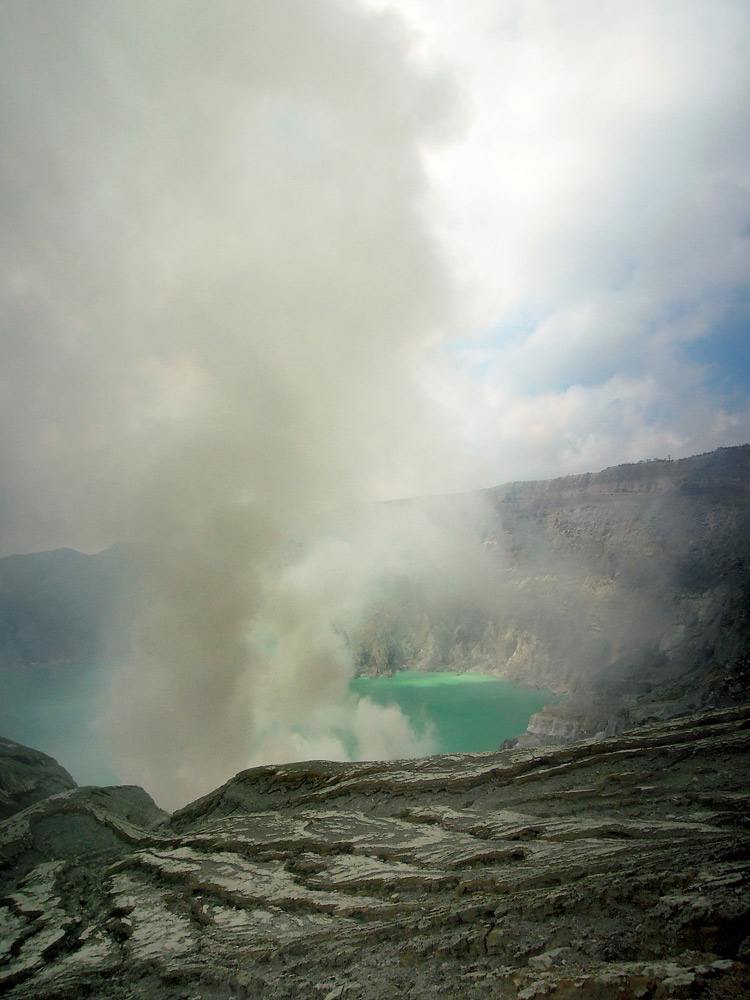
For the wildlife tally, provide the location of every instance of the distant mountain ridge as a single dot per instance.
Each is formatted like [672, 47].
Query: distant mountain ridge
[628, 590]
[55, 606]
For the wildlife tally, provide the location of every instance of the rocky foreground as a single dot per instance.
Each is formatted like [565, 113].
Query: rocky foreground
[610, 868]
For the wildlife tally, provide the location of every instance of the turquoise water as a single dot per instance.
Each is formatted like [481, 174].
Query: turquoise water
[470, 712]
[52, 709]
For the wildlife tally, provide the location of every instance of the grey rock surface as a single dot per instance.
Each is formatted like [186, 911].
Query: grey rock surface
[26, 776]
[616, 867]
[626, 590]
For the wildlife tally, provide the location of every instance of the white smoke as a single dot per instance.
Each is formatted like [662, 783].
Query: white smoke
[219, 282]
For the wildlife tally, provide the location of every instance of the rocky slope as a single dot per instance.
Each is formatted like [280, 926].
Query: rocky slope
[27, 776]
[628, 590]
[650, 589]
[610, 868]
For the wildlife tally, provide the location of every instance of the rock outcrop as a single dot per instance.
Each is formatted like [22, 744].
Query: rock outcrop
[616, 867]
[26, 776]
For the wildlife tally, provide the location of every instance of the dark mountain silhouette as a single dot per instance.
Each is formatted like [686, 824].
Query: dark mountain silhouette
[55, 607]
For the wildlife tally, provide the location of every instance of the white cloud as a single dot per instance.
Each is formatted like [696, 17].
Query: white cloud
[598, 212]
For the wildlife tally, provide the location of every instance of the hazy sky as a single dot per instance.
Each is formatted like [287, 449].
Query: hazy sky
[263, 258]
[597, 210]
[413, 246]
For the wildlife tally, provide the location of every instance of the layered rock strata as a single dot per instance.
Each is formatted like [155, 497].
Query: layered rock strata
[616, 867]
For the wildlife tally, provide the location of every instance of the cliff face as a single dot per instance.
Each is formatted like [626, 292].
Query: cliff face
[645, 572]
[606, 868]
[629, 590]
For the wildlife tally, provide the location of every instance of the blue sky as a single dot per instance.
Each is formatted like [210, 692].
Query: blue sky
[725, 350]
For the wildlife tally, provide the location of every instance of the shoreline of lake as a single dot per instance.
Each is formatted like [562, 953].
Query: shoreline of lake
[465, 718]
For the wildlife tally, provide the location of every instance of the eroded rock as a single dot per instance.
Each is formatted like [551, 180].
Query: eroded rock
[26, 776]
[612, 867]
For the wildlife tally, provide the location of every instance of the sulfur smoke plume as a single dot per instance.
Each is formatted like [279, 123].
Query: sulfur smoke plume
[219, 282]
